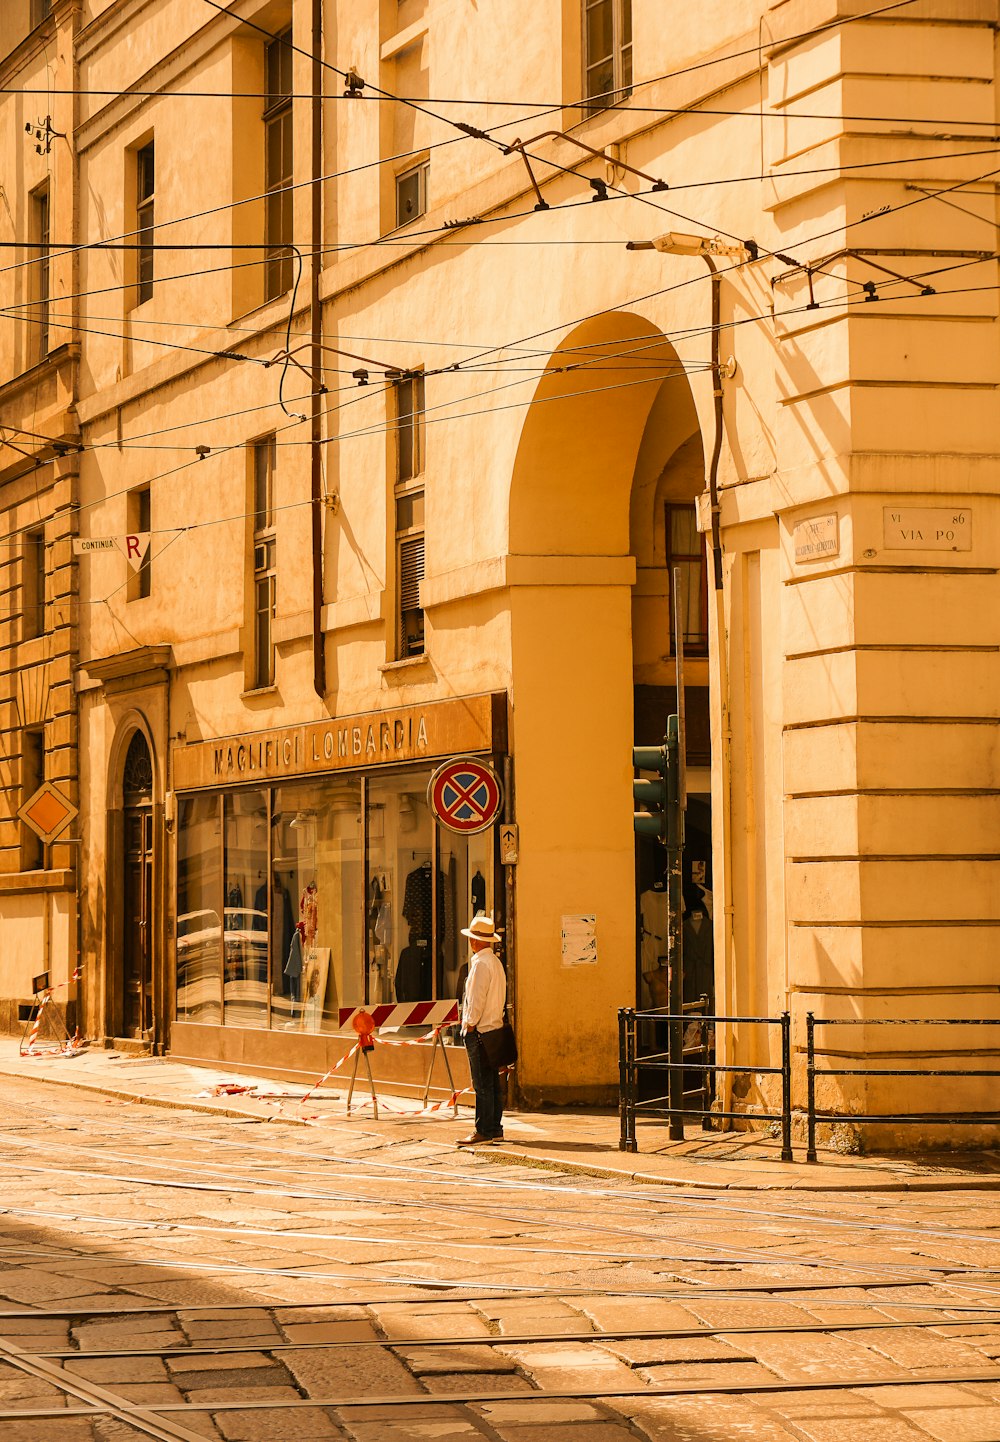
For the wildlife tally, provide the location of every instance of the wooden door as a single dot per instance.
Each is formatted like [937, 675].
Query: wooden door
[137, 1000]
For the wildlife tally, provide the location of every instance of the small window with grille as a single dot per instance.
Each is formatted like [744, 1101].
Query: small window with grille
[685, 550]
[264, 557]
[411, 194]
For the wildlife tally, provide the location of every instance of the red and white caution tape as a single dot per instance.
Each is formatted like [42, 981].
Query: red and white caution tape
[72, 1045]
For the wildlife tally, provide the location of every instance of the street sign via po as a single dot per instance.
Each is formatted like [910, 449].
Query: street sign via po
[464, 795]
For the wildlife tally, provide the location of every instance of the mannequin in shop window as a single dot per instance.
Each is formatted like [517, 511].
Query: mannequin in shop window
[309, 914]
[293, 966]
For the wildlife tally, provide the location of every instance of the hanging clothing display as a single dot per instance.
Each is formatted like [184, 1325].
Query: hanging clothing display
[413, 974]
[417, 906]
[699, 969]
[654, 911]
[293, 966]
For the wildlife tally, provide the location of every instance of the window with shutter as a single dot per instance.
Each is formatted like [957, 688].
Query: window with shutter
[411, 616]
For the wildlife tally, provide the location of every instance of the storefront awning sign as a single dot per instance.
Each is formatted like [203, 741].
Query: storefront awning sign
[465, 795]
[47, 812]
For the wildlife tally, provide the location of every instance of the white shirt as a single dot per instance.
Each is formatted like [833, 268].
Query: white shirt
[485, 992]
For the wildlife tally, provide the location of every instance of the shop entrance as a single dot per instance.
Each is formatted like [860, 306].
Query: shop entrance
[672, 576]
[136, 972]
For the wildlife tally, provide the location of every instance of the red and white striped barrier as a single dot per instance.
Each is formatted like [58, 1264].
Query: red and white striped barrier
[411, 1013]
[71, 1046]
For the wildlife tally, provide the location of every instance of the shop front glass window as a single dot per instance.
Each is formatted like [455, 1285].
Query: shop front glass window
[199, 910]
[467, 867]
[400, 899]
[246, 909]
[318, 865]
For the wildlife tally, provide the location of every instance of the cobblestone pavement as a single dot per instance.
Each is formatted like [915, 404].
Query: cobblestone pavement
[179, 1275]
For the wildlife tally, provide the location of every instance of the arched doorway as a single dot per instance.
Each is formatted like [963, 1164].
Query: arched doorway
[611, 441]
[136, 968]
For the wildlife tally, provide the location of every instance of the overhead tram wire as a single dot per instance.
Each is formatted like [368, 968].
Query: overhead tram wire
[393, 240]
[544, 107]
[56, 252]
[459, 368]
[654, 339]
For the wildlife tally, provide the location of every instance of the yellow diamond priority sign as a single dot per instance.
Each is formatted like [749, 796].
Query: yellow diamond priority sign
[47, 812]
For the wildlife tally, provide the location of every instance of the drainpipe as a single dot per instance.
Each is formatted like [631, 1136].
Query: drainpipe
[316, 355]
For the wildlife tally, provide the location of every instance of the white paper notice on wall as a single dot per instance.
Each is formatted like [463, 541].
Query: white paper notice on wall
[579, 940]
[817, 538]
[927, 528]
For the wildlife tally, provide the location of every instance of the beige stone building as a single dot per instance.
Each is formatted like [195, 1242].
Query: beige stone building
[39, 493]
[415, 447]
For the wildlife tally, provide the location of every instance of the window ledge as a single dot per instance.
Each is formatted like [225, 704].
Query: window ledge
[12, 882]
[391, 669]
[254, 693]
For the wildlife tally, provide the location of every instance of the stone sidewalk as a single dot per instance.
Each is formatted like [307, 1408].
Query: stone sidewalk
[579, 1141]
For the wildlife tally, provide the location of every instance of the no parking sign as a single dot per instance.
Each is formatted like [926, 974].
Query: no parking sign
[465, 795]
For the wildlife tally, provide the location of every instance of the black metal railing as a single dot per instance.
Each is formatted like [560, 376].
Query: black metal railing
[637, 1058]
[813, 1115]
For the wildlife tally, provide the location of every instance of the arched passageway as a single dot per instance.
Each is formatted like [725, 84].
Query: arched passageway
[602, 501]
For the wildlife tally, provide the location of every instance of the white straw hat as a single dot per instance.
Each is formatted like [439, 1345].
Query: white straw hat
[481, 928]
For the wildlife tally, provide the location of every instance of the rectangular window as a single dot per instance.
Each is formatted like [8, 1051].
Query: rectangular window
[278, 167]
[686, 553]
[40, 10]
[40, 283]
[139, 516]
[607, 49]
[411, 194]
[145, 188]
[33, 584]
[32, 776]
[410, 571]
[264, 557]
[409, 394]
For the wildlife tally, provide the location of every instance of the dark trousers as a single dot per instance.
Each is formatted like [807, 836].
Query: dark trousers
[489, 1088]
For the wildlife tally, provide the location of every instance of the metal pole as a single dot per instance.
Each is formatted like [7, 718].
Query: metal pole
[786, 1087]
[316, 355]
[675, 956]
[810, 1087]
[631, 1081]
[706, 1091]
[622, 1080]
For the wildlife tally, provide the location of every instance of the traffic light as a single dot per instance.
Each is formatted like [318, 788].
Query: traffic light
[657, 796]
[651, 794]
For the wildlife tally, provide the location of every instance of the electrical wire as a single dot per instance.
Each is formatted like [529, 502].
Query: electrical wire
[486, 135]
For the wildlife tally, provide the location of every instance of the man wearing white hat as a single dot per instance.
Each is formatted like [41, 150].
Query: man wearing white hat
[483, 1011]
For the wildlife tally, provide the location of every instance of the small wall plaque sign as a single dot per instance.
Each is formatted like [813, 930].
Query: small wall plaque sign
[927, 528]
[817, 539]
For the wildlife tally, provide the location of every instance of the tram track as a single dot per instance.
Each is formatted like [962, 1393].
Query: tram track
[862, 1312]
[243, 1185]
